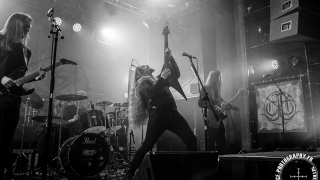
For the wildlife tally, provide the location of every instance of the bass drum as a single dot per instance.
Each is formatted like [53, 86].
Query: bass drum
[86, 155]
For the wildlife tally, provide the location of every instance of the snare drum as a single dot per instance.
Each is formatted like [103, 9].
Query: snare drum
[86, 155]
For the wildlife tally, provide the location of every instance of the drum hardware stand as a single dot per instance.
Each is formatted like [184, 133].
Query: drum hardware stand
[131, 152]
[20, 154]
[116, 153]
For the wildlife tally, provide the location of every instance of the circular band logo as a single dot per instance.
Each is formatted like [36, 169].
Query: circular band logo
[297, 166]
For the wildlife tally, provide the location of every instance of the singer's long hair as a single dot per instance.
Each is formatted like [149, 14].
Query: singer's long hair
[12, 31]
[137, 104]
[213, 84]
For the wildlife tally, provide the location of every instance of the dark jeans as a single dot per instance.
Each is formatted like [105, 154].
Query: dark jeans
[159, 121]
[216, 139]
[9, 119]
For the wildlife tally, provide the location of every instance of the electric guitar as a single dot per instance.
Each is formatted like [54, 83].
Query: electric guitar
[215, 123]
[9, 96]
[173, 78]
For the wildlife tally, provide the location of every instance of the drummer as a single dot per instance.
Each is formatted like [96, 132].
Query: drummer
[73, 111]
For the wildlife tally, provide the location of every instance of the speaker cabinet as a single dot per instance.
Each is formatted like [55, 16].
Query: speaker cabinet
[279, 8]
[178, 165]
[295, 27]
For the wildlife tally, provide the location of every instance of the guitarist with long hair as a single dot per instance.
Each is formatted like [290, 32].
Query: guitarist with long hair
[155, 98]
[14, 53]
[216, 140]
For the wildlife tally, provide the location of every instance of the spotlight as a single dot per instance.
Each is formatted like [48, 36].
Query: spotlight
[274, 64]
[77, 27]
[58, 21]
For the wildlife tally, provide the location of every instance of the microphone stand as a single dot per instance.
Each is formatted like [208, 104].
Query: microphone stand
[282, 113]
[55, 32]
[205, 99]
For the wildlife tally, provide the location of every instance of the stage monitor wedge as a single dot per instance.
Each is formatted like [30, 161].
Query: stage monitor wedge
[178, 165]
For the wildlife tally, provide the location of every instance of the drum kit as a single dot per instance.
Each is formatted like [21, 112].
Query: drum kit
[87, 153]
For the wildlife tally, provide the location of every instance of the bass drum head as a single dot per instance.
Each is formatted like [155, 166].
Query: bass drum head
[88, 154]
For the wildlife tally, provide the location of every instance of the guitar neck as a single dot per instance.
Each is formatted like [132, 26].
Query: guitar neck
[166, 44]
[33, 75]
[225, 106]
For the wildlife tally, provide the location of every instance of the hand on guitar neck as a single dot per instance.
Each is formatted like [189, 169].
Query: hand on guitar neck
[168, 52]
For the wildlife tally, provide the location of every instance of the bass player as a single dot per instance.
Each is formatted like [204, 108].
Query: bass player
[14, 53]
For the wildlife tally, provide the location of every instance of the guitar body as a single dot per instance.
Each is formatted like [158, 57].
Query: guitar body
[215, 123]
[11, 96]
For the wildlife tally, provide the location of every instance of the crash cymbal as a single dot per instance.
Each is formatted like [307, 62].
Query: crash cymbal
[124, 104]
[44, 118]
[71, 97]
[33, 100]
[104, 103]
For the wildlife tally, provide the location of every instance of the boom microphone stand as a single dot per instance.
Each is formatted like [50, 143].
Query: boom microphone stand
[205, 99]
[281, 111]
[55, 32]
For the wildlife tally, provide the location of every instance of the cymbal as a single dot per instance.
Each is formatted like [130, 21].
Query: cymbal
[124, 104]
[71, 97]
[104, 103]
[34, 100]
[44, 118]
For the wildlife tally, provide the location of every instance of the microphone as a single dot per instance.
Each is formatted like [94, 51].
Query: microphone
[188, 55]
[50, 12]
[267, 75]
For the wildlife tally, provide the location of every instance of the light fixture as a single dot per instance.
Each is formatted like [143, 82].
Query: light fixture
[297, 61]
[58, 21]
[77, 27]
[274, 64]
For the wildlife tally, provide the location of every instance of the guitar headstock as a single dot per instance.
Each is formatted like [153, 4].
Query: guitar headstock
[241, 90]
[166, 29]
[66, 61]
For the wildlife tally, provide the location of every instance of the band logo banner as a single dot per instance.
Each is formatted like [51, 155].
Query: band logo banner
[269, 107]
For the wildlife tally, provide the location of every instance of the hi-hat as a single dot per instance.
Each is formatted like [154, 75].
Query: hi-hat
[44, 118]
[104, 103]
[34, 100]
[71, 97]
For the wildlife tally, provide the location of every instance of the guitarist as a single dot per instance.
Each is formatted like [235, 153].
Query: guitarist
[13, 54]
[216, 140]
[158, 101]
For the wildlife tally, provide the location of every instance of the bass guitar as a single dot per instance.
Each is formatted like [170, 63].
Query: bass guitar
[173, 78]
[9, 96]
[213, 121]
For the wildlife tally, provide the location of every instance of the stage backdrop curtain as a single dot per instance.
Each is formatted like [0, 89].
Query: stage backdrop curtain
[269, 107]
